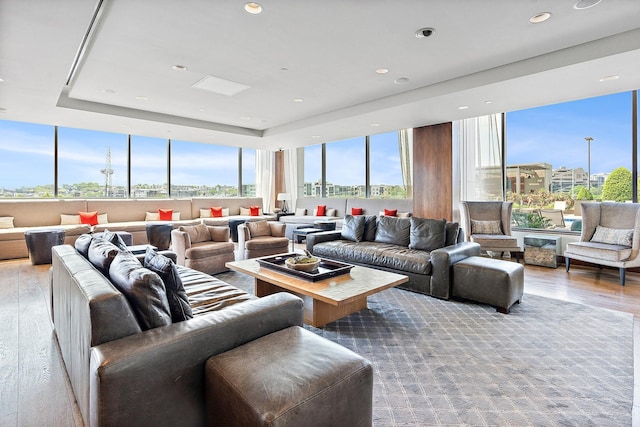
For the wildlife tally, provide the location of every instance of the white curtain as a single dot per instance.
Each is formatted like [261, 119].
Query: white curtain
[265, 185]
[479, 163]
[291, 176]
[405, 148]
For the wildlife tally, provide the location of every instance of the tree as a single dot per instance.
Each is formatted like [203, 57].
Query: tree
[584, 194]
[617, 186]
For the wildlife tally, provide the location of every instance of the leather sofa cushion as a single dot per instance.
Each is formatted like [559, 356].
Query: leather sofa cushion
[427, 234]
[393, 230]
[383, 255]
[144, 290]
[176, 295]
[82, 244]
[370, 227]
[101, 253]
[353, 228]
[452, 230]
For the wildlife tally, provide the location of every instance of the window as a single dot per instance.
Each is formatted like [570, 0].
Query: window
[91, 164]
[203, 170]
[26, 160]
[312, 171]
[345, 168]
[148, 167]
[561, 154]
[390, 159]
[248, 172]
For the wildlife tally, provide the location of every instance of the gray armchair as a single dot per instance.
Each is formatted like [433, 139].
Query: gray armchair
[261, 238]
[610, 236]
[202, 247]
[489, 225]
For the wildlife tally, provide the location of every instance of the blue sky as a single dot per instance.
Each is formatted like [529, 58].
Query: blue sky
[555, 134]
[552, 134]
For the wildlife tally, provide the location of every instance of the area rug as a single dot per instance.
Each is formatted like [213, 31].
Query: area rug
[448, 363]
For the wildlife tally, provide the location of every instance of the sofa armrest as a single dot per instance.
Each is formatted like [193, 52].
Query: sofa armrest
[323, 236]
[180, 242]
[442, 260]
[156, 377]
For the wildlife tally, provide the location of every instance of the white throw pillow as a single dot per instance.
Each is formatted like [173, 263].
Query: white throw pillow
[69, 219]
[613, 236]
[103, 219]
[152, 216]
[332, 212]
[301, 212]
[6, 222]
[245, 211]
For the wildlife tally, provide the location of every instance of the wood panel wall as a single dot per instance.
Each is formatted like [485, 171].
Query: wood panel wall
[278, 166]
[432, 171]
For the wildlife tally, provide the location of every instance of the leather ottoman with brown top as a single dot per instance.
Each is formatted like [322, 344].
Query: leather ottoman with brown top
[290, 377]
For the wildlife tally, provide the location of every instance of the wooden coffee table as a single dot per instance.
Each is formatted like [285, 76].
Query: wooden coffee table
[326, 300]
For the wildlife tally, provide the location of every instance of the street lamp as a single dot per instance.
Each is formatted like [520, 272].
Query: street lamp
[588, 139]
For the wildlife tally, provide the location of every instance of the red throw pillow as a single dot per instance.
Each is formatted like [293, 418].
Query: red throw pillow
[165, 214]
[90, 218]
[254, 210]
[356, 211]
[321, 210]
[216, 212]
[391, 212]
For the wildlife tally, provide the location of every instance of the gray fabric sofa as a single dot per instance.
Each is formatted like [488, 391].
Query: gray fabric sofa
[124, 374]
[422, 249]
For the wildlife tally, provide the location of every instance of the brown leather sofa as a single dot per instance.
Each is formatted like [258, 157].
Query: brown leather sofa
[400, 245]
[125, 369]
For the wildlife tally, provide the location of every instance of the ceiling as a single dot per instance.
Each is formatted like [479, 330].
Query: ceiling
[305, 71]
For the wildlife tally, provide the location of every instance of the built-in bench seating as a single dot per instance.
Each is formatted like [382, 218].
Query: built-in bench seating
[18, 216]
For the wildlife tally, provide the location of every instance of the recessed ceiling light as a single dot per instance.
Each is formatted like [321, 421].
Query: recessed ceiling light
[179, 67]
[463, 107]
[109, 91]
[382, 70]
[201, 109]
[488, 101]
[142, 98]
[1, 79]
[253, 8]
[3, 110]
[585, 4]
[609, 78]
[539, 17]
[284, 69]
[401, 81]
[298, 100]
[315, 136]
[375, 124]
[245, 118]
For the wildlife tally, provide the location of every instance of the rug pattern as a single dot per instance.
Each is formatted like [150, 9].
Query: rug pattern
[447, 363]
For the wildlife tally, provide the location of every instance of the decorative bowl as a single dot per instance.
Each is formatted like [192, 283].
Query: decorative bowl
[303, 263]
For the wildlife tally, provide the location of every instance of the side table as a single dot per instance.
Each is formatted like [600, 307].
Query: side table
[159, 234]
[40, 242]
[542, 250]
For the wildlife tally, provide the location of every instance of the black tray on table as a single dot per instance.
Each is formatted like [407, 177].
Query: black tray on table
[327, 268]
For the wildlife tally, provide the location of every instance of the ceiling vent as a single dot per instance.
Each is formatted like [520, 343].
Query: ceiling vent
[220, 86]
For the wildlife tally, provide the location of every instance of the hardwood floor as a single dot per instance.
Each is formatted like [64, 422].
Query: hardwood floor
[34, 389]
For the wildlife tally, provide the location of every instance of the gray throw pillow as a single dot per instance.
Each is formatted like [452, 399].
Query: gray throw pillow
[143, 289]
[393, 230]
[452, 233]
[82, 244]
[176, 294]
[370, 227]
[427, 234]
[353, 228]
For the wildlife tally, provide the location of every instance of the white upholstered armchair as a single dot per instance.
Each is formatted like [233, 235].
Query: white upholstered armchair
[489, 224]
[610, 236]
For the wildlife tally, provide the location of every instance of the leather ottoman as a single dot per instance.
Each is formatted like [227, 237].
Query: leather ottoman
[289, 378]
[490, 281]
